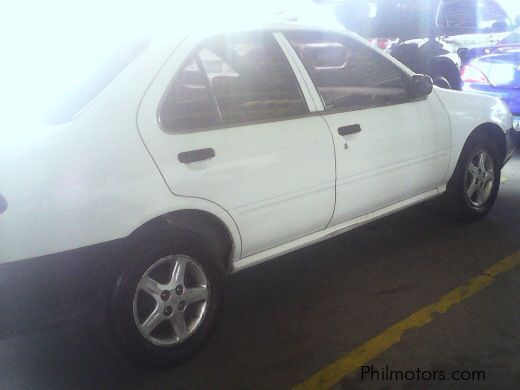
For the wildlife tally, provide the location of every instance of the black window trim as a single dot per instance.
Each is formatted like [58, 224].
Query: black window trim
[207, 81]
[193, 55]
[405, 77]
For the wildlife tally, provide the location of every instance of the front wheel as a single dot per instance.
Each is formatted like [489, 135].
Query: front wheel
[473, 188]
[168, 300]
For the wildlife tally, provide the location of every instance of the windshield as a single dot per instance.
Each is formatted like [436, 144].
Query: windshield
[512, 39]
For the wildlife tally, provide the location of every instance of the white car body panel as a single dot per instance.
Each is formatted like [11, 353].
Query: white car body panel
[282, 171]
[406, 143]
[464, 118]
[475, 40]
[388, 150]
[436, 139]
[92, 180]
[334, 230]
[88, 181]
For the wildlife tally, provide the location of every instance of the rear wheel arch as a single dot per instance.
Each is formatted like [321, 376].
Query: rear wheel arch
[191, 295]
[202, 223]
[196, 230]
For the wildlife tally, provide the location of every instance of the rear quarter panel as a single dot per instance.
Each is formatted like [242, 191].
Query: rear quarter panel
[88, 181]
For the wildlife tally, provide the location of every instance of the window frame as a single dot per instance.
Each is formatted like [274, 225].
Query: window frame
[193, 56]
[404, 75]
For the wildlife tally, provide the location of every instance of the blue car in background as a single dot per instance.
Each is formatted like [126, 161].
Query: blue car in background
[495, 71]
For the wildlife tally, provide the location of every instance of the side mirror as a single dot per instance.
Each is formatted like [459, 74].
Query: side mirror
[422, 85]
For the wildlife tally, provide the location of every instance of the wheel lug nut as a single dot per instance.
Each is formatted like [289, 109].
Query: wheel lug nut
[165, 295]
[181, 306]
[179, 290]
[168, 311]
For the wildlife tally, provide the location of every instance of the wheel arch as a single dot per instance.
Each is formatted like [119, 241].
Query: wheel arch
[490, 130]
[493, 131]
[200, 222]
[444, 66]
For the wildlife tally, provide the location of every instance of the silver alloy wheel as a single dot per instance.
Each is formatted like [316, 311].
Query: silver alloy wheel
[171, 300]
[480, 176]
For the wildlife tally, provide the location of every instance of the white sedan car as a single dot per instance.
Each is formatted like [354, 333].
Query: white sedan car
[185, 158]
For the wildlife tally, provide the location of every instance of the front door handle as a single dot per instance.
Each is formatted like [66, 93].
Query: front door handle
[346, 130]
[196, 155]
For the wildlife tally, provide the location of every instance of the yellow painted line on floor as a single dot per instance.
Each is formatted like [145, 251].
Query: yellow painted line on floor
[333, 373]
[503, 179]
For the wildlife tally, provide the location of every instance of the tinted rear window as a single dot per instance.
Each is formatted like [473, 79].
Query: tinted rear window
[233, 79]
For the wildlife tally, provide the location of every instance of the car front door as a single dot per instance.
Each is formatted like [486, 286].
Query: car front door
[236, 127]
[379, 131]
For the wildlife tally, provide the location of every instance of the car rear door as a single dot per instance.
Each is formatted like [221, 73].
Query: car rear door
[228, 120]
[379, 131]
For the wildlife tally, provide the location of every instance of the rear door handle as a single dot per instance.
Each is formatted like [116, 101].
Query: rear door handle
[346, 130]
[196, 155]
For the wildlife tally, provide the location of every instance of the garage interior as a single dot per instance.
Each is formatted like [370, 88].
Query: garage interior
[412, 291]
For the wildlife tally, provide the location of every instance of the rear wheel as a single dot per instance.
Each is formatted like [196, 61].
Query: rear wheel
[168, 300]
[441, 82]
[473, 189]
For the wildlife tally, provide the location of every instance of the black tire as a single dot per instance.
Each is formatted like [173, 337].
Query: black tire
[147, 252]
[456, 198]
[441, 82]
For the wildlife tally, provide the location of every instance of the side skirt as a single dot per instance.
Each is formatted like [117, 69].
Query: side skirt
[322, 235]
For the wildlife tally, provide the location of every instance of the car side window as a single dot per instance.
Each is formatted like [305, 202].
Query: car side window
[189, 103]
[348, 75]
[485, 16]
[232, 80]
[493, 17]
[457, 14]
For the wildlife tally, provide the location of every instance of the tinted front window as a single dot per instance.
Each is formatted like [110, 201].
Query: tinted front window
[347, 74]
[241, 79]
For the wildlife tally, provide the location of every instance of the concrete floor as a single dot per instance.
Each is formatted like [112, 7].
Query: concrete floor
[289, 318]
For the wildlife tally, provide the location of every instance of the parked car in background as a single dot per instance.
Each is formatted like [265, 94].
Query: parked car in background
[202, 151]
[426, 35]
[495, 71]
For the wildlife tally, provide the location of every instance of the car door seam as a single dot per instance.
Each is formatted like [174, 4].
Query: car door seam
[137, 115]
[335, 171]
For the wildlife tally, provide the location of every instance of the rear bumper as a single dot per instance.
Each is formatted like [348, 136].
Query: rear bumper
[39, 292]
